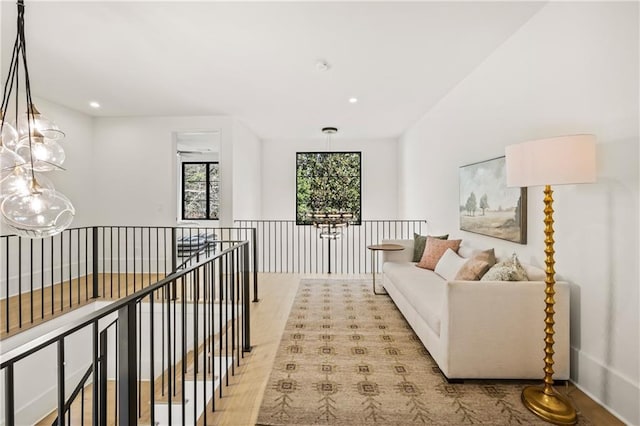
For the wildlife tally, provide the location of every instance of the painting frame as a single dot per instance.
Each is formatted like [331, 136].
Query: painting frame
[503, 209]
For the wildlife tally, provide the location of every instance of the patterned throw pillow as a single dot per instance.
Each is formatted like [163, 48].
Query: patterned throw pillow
[419, 242]
[472, 270]
[508, 270]
[434, 249]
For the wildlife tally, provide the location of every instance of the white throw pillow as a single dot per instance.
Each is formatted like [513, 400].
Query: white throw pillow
[449, 265]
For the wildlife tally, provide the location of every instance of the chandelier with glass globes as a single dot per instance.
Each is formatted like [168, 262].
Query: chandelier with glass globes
[29, 204]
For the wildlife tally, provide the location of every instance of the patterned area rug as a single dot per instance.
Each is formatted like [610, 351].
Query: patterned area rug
[348, 357]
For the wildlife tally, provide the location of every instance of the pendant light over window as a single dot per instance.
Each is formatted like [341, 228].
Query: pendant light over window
[29, 204]
[330, 221]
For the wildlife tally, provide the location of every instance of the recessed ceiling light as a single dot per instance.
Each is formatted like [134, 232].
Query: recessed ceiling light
[353, 100]
[94, 104]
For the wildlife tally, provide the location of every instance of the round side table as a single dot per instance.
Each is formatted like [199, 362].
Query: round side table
[374, 264]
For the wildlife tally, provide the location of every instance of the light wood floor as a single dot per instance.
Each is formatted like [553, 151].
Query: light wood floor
[33, 308]
[241, 401]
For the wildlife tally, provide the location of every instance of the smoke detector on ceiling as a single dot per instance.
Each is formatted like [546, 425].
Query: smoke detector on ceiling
[323, 65]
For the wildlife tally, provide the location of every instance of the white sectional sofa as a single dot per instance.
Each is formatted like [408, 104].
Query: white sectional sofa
[478, 329]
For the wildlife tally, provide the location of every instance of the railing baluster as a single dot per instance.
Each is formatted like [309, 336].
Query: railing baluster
[169, 363]
[119, 261]
[139, 350]
[6, 275]
[81, 408]
[31, 279]
[152, 376]
[95, 411]
[78, 265]
[20, 283]
[61, 379]
[254, 243]
[183, 359]
[196, 349]
[86, 263]
[41, 279]
[221, 271]
[233, 296]
[212, 332]
[126, 259]
[53, 297]
[246, 315]
[94, 261]
[9, 397]
[127, 375]
[68, 231]
[133, 251]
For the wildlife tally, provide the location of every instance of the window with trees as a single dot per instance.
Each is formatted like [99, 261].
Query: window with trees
[200, 190]
[328, 182]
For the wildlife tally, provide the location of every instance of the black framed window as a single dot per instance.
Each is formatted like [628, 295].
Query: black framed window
[200, 190]
[328, 182]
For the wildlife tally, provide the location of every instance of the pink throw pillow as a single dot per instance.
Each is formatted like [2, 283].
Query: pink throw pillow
[433, 251]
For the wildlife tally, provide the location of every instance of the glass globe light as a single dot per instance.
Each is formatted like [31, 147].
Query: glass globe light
[20, 181]
[33, 120]
[9, 160]
[39, 213]
[47, 154]
[9, 136]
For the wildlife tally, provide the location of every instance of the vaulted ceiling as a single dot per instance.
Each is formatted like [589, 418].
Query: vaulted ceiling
[258, 61]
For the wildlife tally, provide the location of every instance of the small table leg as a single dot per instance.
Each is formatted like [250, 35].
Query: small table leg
[374, 266]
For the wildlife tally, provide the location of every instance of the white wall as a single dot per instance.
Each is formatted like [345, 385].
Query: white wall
[572, 68]
[136, 168]
[247, 169]
[379, 175]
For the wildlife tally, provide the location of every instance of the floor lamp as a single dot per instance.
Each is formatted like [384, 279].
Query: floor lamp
[545, 162]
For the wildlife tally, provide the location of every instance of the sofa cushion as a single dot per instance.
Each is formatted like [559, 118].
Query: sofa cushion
[419, 242]
[449, 265]
[423, 289]
[472, 270]
[433, 251]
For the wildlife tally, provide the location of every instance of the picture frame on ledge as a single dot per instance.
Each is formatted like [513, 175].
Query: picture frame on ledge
[487, 206]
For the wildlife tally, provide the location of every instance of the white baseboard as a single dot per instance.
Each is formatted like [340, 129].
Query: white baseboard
[609, 388]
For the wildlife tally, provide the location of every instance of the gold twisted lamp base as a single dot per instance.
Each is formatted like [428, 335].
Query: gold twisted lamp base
[554, 408]
[544, 401]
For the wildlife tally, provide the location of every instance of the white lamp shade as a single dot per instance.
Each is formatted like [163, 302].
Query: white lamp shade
[554, 161]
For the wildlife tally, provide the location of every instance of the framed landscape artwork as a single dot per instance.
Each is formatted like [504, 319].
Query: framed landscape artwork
[487, 206]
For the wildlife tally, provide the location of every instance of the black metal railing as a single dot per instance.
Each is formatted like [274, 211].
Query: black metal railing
[43, 278]
[285, 247]
[165, 360]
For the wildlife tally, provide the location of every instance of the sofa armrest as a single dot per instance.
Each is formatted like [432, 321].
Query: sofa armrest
[503, 322]
[405, 255]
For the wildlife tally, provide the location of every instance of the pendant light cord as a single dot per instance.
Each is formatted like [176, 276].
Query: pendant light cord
[30, 115]
[13, 79]
[8, 85]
